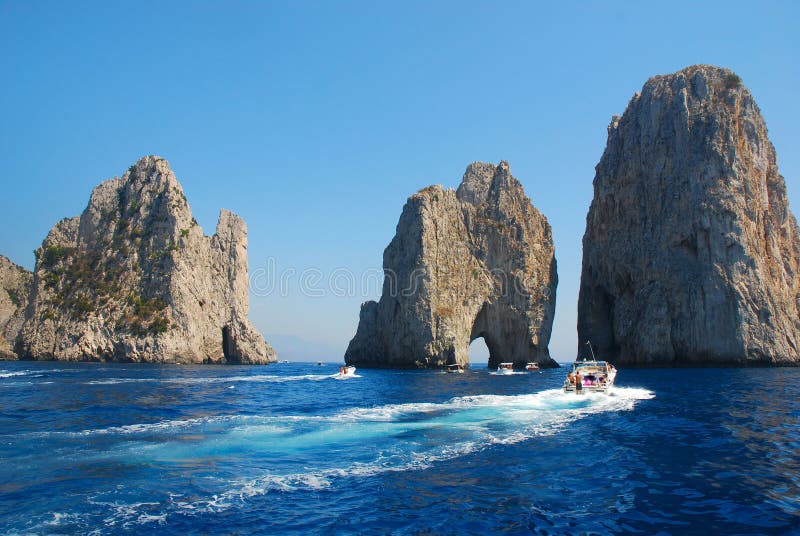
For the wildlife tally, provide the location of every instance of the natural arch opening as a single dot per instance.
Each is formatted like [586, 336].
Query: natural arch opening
[483, 331]
[478, 352]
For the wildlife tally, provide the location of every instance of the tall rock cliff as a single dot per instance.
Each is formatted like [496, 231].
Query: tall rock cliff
[15, 288]
[477, 262]
[690, 254]
[134, 279]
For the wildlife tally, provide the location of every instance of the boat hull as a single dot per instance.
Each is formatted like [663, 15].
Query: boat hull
[596, 377]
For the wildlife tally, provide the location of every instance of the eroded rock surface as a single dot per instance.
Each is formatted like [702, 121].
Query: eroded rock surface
[135, 279]
[690, 254]
[15, 287]
[477, 262]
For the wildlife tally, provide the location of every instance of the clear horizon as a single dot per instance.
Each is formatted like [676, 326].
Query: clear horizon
[315, 122]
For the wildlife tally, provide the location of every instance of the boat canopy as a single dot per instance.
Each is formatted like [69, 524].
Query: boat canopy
[577, 364]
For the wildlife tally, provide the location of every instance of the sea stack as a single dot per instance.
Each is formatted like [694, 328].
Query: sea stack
[476, 262]
[691, 255]
[135, 279]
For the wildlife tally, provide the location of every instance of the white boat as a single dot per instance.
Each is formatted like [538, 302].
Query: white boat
[505, 368]
[590, 376]
[532, 366]
[346, 371]
[454, 368]
[320, 363]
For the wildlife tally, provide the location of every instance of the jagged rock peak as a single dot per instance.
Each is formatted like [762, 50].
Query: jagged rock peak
[15, 286]
[474, 263]
[135, 279]
[691, 255]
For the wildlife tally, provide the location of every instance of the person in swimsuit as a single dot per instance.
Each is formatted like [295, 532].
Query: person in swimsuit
[578, 383]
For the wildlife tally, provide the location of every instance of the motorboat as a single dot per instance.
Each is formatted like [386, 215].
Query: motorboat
[320, 363]
[590, 376]
[532, 366]
[346, 371]
[505, 368]
[454, 368]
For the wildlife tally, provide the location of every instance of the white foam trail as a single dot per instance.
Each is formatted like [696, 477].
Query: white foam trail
[489, 419]
[476, 423]
[7, 374]
[344, 376]
[35, 373]
[512, 409]
[221, 379]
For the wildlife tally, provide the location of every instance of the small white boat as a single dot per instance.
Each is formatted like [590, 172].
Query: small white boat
[590, 376]
[505, 368]
[532, 366]
[320, 363]
[454, 368]
[346, 371]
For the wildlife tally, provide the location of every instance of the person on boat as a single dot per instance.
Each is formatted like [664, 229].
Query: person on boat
[571, 378]
[578, 383]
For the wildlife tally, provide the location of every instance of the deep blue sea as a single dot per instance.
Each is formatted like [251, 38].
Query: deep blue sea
[288, 449]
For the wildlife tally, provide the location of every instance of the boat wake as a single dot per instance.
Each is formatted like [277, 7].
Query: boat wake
[262, 378]
[297, 448]
[344, 376]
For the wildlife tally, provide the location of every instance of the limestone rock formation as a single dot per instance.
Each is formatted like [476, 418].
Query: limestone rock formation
[477, 262]
[134, 279]
[691, 255]
[15, 287]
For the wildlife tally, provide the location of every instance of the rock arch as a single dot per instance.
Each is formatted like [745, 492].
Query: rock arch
[463, 264]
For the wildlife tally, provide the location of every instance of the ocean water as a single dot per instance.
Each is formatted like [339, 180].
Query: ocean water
[289, 449]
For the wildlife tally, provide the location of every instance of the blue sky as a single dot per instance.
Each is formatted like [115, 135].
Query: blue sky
[316, 120]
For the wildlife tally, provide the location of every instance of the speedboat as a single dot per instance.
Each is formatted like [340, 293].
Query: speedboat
[505, 368]
[454, 368]
[532, 366]
[346, 371]
[590, 375]
[594, 377]
[320, 363]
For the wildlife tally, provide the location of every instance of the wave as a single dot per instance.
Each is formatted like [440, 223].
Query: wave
[7, 374]
[32, 373]
[222, 379]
